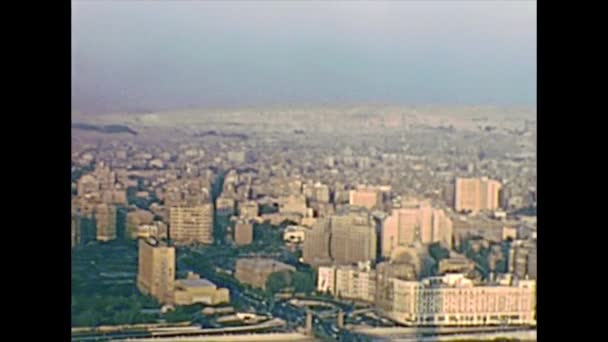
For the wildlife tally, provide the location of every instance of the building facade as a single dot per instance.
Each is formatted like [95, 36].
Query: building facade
[348, 282]
[248, 209]
[453, 300]
[342, 239]
[194, 290]
[243, 233]
[191, 224]
[156, 270]
[366, 198]
[105, 221]
[353, 238]
[417, 221]
[476, 194]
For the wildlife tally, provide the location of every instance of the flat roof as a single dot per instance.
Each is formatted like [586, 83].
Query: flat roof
[196, 283]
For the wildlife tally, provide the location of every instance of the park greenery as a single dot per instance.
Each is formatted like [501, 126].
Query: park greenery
[481, 260]
[298, 282]
[104, 275]
[438, 252]
[103, 286]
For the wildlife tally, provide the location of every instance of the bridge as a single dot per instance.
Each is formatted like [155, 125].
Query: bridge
[310, 302]
[176, 331]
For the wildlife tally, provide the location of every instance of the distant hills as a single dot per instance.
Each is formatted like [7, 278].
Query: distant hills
[348, 118]
[104, 129]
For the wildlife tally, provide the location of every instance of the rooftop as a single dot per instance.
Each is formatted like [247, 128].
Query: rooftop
[196, 283]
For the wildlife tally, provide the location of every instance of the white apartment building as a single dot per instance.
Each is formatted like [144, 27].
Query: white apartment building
[453, 300]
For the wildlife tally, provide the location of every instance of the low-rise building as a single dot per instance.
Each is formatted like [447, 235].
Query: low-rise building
[248, 209]
[456, 263]
[295, 234]
[453, 300]
[355, 282]
[256, 271]
[194, 290]
[157, 230]
[243, 233]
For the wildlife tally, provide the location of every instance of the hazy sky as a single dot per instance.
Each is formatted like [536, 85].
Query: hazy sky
[151, 55]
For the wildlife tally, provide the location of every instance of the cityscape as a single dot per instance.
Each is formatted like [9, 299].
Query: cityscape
[310, 222]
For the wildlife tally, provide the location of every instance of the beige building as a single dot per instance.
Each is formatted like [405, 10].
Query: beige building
[316, 244]
[248, 209]
[454, 300]
[194, 290]
[191, 224]
[87, 184]
[415, 221]
[293, 204]
[105, 221]
[256, 271]
[510, 233]
[137, 218]
[353, 238]
[114, 196]
[367, 198]
[321, 193]
[243, 233]
[156, 270]
[476, 194]
[157, 230]
[342, 239]
[225, 205]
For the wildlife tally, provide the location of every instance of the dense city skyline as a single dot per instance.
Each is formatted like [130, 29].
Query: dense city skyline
[336, 171]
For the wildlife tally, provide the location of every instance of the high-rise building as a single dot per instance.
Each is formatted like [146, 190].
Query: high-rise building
[342, 239]
[156, 270]
[191, 224]
[105, 221]
[476, 194]
[415, 221]
[353, 238]
[316, 244]
[243, 233]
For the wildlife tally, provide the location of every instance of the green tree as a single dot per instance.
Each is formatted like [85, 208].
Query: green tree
[303, 282]
[438, 252]
[278, 281]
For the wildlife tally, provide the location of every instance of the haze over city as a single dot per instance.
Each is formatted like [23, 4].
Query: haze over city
[131, 56]
[304, 171]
